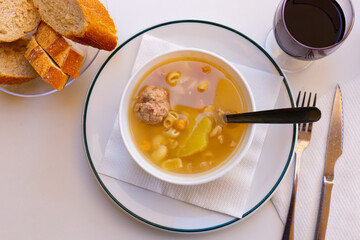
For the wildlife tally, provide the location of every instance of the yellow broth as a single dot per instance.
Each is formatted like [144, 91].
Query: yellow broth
[222, 95]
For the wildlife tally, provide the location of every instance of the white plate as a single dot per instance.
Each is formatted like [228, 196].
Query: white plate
[37, 87]
[101, 108]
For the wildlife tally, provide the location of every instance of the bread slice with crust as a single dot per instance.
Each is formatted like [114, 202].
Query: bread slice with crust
[14, 68]
[62, 51]
[83, 21]
[45, 66]
[17, 18]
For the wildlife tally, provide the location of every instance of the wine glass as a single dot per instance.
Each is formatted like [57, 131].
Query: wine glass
[307, 30]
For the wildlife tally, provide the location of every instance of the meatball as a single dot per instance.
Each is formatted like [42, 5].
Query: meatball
[153, 105]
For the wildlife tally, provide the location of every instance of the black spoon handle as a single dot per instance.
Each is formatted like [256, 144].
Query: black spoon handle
[284, 115]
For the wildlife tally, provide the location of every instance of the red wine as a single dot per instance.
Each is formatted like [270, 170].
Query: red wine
[315, 23]
[309, 29]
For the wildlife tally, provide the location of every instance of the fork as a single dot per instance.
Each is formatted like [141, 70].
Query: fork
[304, 136]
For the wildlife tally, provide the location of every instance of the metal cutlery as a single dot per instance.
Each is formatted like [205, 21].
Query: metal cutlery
[304, 136]
[283, 115]
[333, 152]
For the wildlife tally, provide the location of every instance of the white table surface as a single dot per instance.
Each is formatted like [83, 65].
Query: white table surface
[47, 190]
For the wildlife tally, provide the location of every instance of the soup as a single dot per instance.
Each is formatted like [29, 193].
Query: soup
[175, 116]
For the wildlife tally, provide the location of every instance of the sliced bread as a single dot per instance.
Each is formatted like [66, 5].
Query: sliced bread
[14, 68]
[45, 66]
[63, 52]
[84, 21]
[17, 18]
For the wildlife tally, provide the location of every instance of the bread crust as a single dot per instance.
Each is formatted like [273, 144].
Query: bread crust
[45, 67]
[12, 80]
[99, 30]
[55, 77]
[68, 59]
[72, 64]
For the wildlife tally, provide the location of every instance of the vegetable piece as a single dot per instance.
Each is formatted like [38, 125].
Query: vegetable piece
[159, 154]
[172, 164]
[203, 86]
[158, 140]
[198, 139]
[179, 124]
[206, 69]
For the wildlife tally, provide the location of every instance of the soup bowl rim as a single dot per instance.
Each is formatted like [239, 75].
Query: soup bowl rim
[183, 179]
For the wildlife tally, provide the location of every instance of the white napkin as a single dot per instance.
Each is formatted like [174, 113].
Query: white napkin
[344, 218]
[227, 194]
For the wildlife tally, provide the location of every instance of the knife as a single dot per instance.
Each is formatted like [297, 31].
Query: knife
[333, 152]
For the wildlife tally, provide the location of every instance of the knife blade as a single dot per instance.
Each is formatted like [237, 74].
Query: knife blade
[333, 152]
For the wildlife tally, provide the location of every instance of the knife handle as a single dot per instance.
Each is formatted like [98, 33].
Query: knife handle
[324, 209]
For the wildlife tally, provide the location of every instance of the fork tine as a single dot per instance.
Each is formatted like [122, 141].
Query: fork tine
[314, 104]
[298, 99]
[315, 100]
[303, 101]
[310, 127]
[309, 100]
[297, 105]
[303, 126]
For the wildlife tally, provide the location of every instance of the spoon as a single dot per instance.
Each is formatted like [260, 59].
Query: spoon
[283, 115]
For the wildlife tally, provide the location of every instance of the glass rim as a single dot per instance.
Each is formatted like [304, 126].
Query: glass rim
[315, 48]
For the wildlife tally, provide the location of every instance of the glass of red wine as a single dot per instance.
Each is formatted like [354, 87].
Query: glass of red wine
[307, 30]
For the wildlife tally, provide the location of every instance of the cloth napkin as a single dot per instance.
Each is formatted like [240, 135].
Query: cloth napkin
[344, 218]
[227, 194]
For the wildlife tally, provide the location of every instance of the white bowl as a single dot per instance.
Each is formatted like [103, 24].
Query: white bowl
[185, 179]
